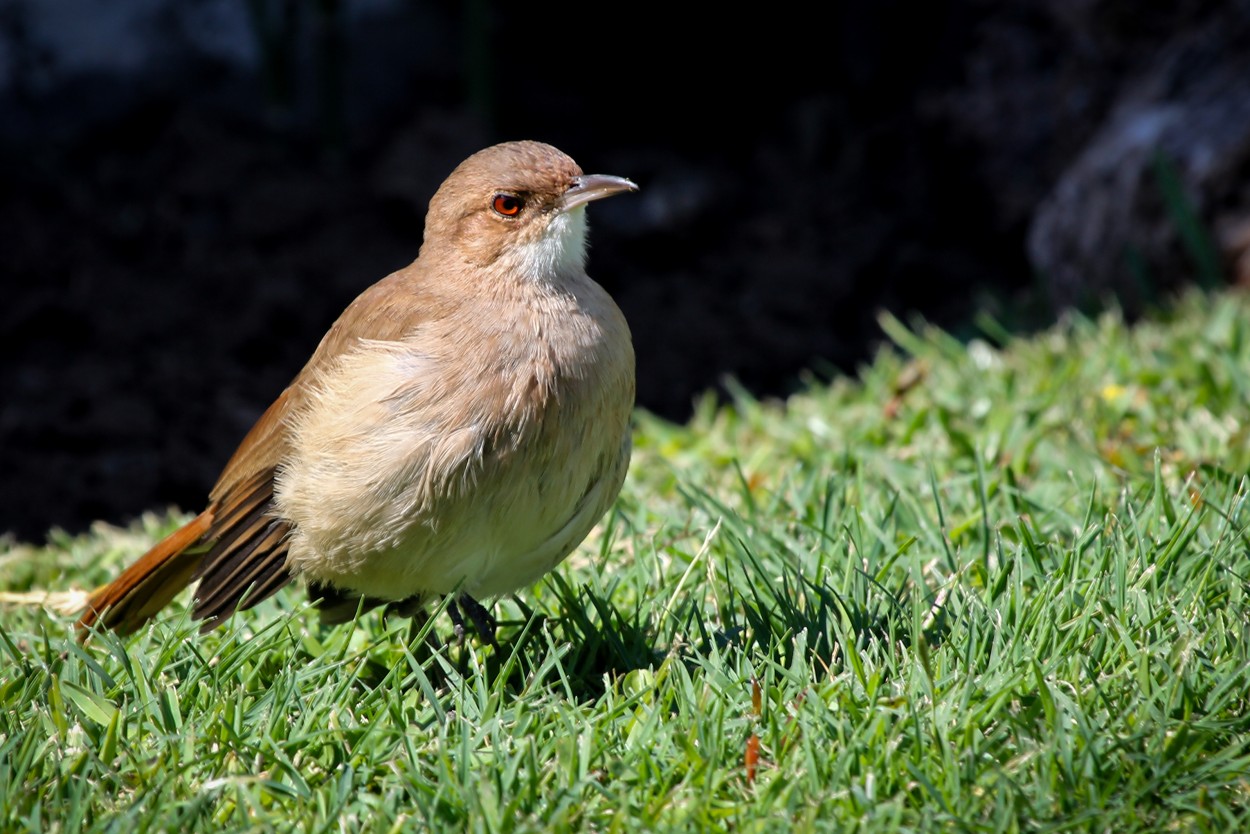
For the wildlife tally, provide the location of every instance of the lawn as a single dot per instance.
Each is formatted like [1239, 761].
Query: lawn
[997, 584]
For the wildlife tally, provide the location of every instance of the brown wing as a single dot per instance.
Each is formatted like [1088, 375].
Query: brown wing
[237, 547]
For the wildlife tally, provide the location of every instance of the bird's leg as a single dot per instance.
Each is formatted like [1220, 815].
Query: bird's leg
[457, 621]
[482, 619]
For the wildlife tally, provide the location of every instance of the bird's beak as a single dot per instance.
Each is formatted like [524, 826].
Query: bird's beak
[590, 187]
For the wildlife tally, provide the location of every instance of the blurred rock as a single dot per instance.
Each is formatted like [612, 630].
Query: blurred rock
[1175, 147]
[1075, 109]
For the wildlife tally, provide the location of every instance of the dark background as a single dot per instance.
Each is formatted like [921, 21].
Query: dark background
[189, 198]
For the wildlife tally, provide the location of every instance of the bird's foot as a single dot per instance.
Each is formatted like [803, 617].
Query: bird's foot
[483, 621]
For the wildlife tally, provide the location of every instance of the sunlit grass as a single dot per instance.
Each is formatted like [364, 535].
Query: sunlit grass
[976, 587]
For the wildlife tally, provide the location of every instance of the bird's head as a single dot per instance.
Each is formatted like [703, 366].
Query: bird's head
[518, 206]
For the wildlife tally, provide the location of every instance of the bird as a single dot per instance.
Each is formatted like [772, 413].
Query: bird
[458, 431]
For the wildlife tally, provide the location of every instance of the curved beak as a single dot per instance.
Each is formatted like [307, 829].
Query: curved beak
[590, 187]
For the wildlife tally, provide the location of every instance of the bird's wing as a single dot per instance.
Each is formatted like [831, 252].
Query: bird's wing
[237, 547]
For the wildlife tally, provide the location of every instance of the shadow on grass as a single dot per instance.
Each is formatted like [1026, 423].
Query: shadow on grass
[774, 614]
[595, 640]
[603, 641]
[785, 620]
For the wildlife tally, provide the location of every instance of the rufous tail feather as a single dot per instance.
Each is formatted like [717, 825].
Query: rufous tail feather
[145, 587]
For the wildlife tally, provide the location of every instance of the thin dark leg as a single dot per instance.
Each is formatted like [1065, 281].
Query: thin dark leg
[482, 619]
[457, 621]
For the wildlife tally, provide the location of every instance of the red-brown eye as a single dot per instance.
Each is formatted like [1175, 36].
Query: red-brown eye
[509, 205]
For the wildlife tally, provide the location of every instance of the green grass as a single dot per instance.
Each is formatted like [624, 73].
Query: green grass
[974, 589]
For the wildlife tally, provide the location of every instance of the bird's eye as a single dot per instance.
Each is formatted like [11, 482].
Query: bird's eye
[509, 205]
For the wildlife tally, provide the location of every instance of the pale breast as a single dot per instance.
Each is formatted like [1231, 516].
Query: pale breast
[472, 467]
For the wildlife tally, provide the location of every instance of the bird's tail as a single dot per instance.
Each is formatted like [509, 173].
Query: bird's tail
[149, 584]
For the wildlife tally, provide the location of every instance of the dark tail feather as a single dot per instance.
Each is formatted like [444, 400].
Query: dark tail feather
[149, 584]
[236, 549]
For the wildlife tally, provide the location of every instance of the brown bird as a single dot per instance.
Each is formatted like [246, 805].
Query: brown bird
[459, 430]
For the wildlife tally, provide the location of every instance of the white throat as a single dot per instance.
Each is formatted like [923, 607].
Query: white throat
[560, 252]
